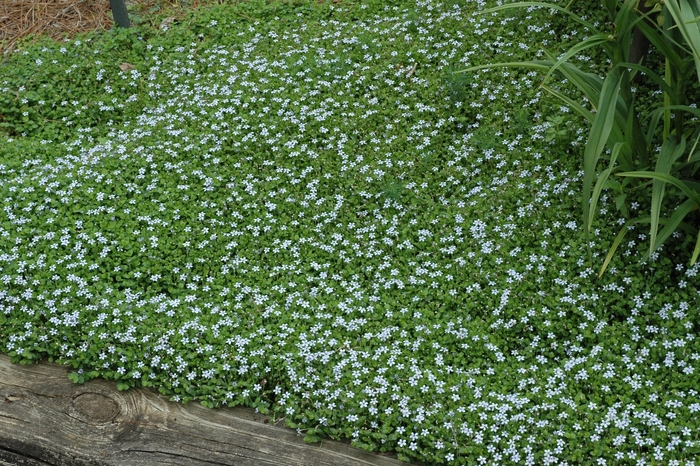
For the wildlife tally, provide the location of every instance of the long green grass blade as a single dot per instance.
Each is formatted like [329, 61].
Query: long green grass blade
[577, 107]
[659, 112]
[591, 85]
[588, 83]
[671, 225]
[660, 43]
[685, 108]
[616, 243]
[651, 129]
[685, 14]
[682, 185]
[667, 101]
[650, 74]
[605, 174]
[696, 251]
[536, 65]
[624, 25]
[588, 43]
[691, 155]
[694, 185]
[549, 6]
[670, 152]
[597, 139]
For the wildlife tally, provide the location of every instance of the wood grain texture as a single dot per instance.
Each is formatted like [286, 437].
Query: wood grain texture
[47, 420]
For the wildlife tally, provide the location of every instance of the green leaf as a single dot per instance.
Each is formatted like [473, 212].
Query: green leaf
[649, 74]
[692, 157]
[670, 152]
[590, 84]
[621, 204]
[660, 43]
[696, 251]
[671, 225]
[616, 243]
[550, 6]
[685, 187]
[686, 13]
[536, 65]
[76, 377]
[588, 43]
[685, 108]
[602, 179]
[597, 139]
[580, 109]
[312, 439]
[121, 386]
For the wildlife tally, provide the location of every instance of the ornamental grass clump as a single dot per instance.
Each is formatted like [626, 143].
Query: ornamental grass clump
[297, 209]
[663, 158]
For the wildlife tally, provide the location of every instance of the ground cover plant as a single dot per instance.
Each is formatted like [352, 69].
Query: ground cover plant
[638, 149]
[300, 208]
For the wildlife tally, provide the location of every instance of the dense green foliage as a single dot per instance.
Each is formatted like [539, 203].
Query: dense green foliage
[299, 207]
[639, 149]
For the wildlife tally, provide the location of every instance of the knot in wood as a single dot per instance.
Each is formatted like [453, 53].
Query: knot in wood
[96, 407]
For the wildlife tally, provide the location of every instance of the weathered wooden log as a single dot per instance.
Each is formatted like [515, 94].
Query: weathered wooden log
[45, 419]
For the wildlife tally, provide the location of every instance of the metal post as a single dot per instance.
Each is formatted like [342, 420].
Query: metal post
[121, 17]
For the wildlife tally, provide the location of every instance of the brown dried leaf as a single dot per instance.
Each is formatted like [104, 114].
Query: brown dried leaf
[167, 22]
[126, 66]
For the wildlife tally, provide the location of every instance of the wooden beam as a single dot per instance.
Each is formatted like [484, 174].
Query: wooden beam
[47, 420]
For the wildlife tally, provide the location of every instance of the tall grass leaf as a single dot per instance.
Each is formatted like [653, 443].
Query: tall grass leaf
[602, 179]
[588, 83]
[588, 43]
[577, 107]
[693, 185]
[660, 43]
[536, 65]
[667, 157]
[667, 101]
[685, 108]
[696, 251]
[691, 156]
[659, 112]
[616, 243]
[685, 14]
[549, 6]
[624, 24]
[669, 153]
[638, 17]
[685, 187]
[650, 74]
[591, 85]
[653, 124]
[670, 225]
[598, 138]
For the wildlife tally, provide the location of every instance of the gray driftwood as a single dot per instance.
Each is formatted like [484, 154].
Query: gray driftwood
[47, 420]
